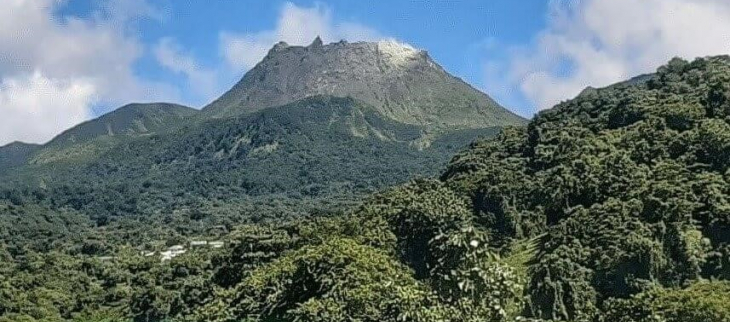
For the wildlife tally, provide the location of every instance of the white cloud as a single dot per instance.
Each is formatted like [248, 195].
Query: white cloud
[597, 43]
[67, 52]
[202, 80]
[296, 26]
[36, 108]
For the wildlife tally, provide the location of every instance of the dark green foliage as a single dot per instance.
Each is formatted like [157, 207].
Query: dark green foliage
[251, 247]
[416, 214]
[349, 268]
[314, 154]
[629, 183]
[614, 206]
[174, 290]
[701, 302]
[37, 228]
[336, 281]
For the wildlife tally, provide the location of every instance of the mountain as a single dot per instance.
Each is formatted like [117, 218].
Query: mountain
[401, 82]
[612, 206]
[128, 120]
[309, 146]
[324, 123]
[320, 148]
[93, 137]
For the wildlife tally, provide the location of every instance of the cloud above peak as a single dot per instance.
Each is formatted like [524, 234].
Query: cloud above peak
[295, 25]
[203, 81]
[80, 62]
[597, 43]
[34, 108]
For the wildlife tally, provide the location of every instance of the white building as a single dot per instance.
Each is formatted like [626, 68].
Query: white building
[172, 252]
[198, 243]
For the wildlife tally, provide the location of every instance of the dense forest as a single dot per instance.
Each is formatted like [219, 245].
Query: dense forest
[279, 162]
[613, 206]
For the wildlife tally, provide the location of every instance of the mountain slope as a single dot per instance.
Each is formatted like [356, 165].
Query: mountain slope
[128, 120]
[319, 122]
[93, 137]
[613, 206]
[627, 189]
[402, 83]
[319, 147]
[15, 154]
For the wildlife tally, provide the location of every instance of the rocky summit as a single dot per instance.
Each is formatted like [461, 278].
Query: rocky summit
[401, 82]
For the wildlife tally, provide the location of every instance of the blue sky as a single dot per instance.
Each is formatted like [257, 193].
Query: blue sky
[65, 61]
[460, 35]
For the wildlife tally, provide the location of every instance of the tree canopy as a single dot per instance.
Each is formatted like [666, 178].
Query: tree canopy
[613, 206]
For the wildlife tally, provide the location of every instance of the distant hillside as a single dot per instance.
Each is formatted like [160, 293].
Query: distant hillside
[401, 82]
[91, 138]
[319, 147]
[322, 122]
[128, 120]
[15, 154]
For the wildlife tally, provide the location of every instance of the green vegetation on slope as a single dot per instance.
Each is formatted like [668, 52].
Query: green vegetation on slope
[15, 154]
[128, 120]
[613, 206]
[629, 185]
[93, 138]
[318, 151]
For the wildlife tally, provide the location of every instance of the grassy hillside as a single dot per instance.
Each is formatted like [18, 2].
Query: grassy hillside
[128, 120]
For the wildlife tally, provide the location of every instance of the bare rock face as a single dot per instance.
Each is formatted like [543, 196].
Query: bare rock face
[401, 82]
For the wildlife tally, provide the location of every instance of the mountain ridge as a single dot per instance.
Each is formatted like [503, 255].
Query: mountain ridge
[91, 138]
[612, 206]
[328, 146]
[402, 82]
[130, 119]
